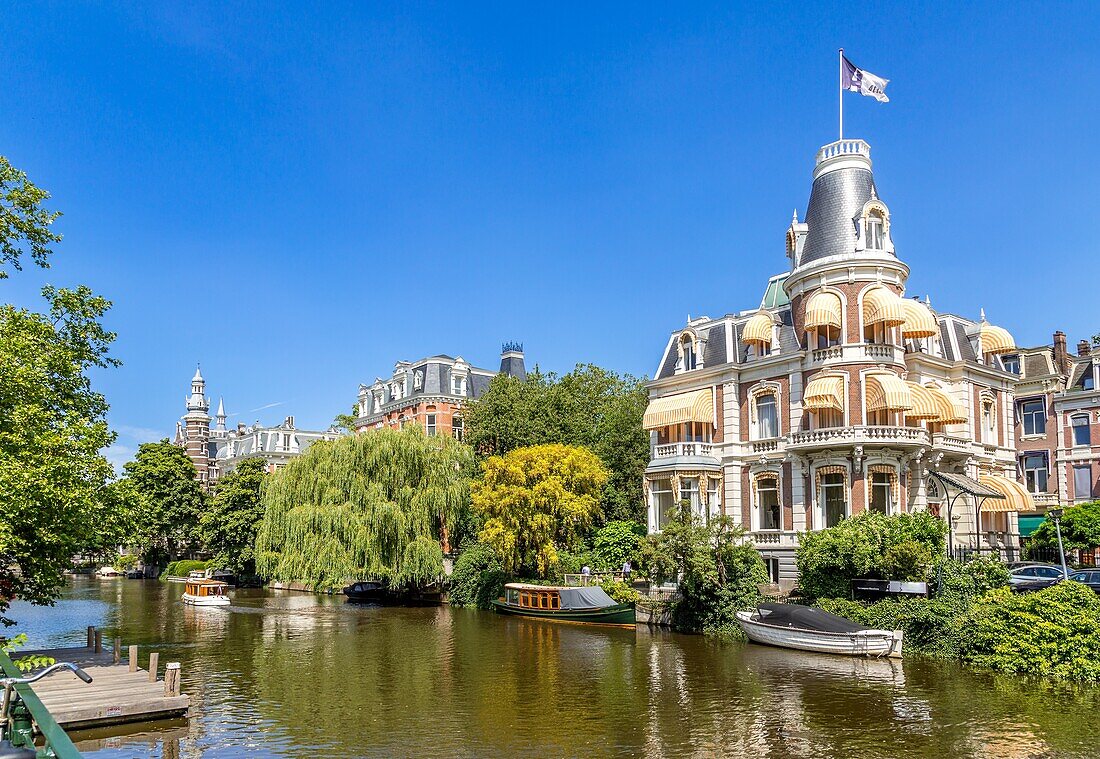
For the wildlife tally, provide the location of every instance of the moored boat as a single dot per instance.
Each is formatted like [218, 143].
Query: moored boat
[808, 629]
[563, 604]
[205, 593]
[373, 592]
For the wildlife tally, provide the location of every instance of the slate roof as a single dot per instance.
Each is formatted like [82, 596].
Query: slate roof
[1036, 365]
[715, 354]
[836, 199]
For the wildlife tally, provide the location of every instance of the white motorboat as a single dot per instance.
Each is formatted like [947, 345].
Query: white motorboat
[808, 629]
[205, 593]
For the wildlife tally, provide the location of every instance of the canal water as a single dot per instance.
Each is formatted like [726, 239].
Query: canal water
[291, 674]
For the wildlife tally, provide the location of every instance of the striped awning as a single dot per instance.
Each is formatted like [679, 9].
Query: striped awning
[996, 340]
[824, 309]
[1016, 497]
[758, 329]
[932, 404]
[824, 393]
[919, 321]
[882, 306]
[696, 406]
[887, 392]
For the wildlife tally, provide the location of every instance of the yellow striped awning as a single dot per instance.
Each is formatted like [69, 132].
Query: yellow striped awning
[758, 329]
[824, 309]
[696, 406]
[887, 392]
[1016, 497]
[824, 393]
[934, 405]
[882, 306]
[996, 340]
[919, 321]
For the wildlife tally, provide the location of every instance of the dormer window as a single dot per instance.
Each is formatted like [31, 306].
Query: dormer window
[687, 350]
[875, 232]
[458, 384]
[1011, 363]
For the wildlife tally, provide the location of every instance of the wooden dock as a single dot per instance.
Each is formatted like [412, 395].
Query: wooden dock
[120, 691]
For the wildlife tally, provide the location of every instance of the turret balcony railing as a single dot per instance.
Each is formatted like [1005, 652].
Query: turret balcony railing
[843, 148]
[669, 450]
[904, 437]
[876, 353]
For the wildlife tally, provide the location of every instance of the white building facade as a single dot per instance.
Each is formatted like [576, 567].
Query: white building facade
[838, 394]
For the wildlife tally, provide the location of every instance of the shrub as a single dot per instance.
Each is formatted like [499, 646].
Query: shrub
[478, 577]
[972, 579]
[1054, 632]
[126, 563]
[907, 561]
[616, 543]
[828, 560]
[929, 624]
[620, 592]
[184, 567]
[572, 562]
[1080, 529]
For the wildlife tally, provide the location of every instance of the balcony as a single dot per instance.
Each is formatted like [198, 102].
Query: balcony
[951, 443]
[1045, 500]
[885, 436]
[683, 449]
[852, 353]
[671, 456]
[773, 538]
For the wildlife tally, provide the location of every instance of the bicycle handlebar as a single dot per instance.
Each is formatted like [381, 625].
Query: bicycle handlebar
[8, 681]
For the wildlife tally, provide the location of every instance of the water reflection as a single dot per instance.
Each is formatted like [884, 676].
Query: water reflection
[292, 674]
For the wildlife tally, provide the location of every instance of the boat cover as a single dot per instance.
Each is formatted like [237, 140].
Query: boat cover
[584, 598]
[806, 618]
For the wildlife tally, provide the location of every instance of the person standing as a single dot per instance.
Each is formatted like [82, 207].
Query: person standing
[626, 571]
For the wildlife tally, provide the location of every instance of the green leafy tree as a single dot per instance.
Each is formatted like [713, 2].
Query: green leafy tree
[589, 407]
[478, 578]
[24, 222]
[229, 525]
[536, 500]
[617, 542]
[866, 545]
[717, 573]
[168, 501]
[1080, 526]
[371, 506]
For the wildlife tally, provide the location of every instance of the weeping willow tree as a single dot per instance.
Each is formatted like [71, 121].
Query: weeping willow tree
[375, 506]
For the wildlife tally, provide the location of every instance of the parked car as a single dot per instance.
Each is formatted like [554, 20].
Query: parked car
[1090, 577]
[1033, 572]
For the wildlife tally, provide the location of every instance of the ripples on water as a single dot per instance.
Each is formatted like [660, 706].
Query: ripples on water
[297, 675]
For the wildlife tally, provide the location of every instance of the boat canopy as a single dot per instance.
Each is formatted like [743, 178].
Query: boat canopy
[806, 618]
[584, 598]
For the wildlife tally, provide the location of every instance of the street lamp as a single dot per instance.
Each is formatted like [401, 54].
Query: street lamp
[1056, 515]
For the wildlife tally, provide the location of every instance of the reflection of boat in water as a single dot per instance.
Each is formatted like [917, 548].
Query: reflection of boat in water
[372, 592]
[561, 604]
[205, 593]
[808, 629]
[784, 664]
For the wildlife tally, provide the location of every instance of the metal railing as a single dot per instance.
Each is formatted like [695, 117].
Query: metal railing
[28, 713]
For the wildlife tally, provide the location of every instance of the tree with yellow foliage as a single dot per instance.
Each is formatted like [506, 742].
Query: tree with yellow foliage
[535, 500]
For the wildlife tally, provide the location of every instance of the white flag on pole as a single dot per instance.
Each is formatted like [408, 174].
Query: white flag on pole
[864, 82]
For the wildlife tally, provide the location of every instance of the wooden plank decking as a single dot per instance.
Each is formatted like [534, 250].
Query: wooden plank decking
[117, 694]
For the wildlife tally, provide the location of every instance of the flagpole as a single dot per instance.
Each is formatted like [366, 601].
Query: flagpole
[840, 91]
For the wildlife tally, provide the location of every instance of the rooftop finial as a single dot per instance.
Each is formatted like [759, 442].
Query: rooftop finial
[511, 346]
[794, 217]
[983, 314]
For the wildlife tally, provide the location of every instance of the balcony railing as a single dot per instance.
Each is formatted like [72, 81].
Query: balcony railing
[827, 354]
[939, 440]
[885, 435]
[774, 538]
[683, 449]
[764, 446]
[842, 148]
[1045, 499]
[875, 351]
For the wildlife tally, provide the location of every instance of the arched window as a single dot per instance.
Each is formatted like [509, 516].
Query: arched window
[689, 352]
[875, 226]
[767, 416]
[989, 418]
[1082, 434]
[768, 514]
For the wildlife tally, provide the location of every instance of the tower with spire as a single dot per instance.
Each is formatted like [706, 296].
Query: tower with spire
[196, 427]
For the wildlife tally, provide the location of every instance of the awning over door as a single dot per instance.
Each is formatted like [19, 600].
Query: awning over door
[886, 392]
[696, 406]
[919, 321]
[824, 310]
[1016, 497]
[824, 393]
[882, 306]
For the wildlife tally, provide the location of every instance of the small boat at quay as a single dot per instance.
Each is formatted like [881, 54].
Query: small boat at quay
[205, 593]
[590, 605]
[807, 629]
[372, 592]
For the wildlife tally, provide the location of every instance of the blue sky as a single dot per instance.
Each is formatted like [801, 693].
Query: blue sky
[297, 197]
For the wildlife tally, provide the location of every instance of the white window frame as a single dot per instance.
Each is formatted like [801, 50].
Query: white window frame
[758, 423]
[758, 506]
[1034, 487]
[1041, 414]
[1080, 421]
[821, 489]
[430, 426]
[1077, 496]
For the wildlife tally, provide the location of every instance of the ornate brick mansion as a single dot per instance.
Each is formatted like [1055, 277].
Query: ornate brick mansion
[839, 394]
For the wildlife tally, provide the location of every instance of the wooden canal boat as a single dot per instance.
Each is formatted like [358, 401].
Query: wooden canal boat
[205, 593]
[561, 604]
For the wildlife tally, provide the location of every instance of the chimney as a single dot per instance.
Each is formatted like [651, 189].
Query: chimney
[511, 360]
[1061, 354]
[240, 428]
[1083, 348]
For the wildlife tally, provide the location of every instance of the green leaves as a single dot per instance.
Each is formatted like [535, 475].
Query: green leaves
[369, 506]
[1080, 529]
[166, 500]
[230, 523]
[24, 223]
